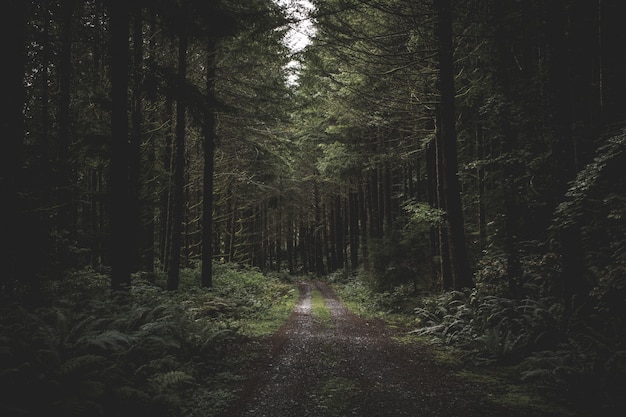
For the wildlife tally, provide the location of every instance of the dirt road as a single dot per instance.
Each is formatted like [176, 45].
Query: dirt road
[348, 366]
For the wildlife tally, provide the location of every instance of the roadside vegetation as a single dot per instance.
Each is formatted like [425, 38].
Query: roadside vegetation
[517, 345]
[148, 352]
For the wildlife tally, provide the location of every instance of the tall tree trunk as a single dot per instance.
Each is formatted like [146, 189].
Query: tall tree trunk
[136, 244]
[433, 200]
[480, 176]
[340, 231]
[121, 220]
[279, 229]
[206, 277]
[354, 228]
[372, 204]
[13, 32]
[454, 214]
[151, 203]
[317, 234]
[560, 95]
[165, 198]
[332, 237]
[363, 221]
[303, 244]
[388, 195]
[64, 190]
[505, 61]
[445, 264]
[55, 253]
[178, 203]
[229, 237]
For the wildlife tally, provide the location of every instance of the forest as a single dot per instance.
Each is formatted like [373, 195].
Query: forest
[170, 168]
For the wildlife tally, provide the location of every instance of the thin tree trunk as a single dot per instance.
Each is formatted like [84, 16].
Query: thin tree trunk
[363, 220]
[173, 275]
[317, 234]
[229, 237]
[387, 184]
[149, 209]
[445, 266]
[354, 229]
[290, 242]
[433, 199]
[340, 231]
[480, 176]
[206, 277]
[165, 215]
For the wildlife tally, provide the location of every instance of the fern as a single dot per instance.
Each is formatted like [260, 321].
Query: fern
[110, 341]
[172, 379]
[81, 364]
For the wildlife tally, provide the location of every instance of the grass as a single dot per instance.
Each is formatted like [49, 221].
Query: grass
[271, 319]
[319, 311]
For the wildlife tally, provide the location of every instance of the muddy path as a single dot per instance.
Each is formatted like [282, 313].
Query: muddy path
[347, 366]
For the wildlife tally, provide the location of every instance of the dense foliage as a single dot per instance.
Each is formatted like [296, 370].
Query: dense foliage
[151, 352]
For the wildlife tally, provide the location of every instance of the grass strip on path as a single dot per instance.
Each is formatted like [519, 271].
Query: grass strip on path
[319, 311]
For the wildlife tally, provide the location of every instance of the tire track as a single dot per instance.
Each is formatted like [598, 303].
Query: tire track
[353, 367]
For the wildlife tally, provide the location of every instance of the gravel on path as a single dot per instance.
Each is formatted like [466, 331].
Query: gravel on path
[350, 366]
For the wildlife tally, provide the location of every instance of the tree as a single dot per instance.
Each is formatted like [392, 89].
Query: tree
[461, 274]
[13, 26]
[178, 201]
[209, 167]
[121, 217]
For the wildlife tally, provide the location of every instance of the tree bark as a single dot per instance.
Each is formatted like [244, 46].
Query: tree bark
[136, 244]
[445, 264]
[121, 220]
[458, 252]
[504, 62]
[173, 275]
[206, 276]
[13, 31]
[354, 229]
[64, 192]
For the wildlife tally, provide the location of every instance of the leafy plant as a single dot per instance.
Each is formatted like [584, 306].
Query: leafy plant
[144, 353]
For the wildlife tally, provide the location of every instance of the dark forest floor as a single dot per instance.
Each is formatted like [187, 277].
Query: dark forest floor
[344, 365]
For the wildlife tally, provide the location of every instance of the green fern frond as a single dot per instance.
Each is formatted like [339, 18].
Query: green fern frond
[108, 341]
[81, 364]
[80, 329]
[172, 379]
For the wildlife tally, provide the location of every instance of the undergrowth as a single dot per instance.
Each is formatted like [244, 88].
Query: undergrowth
[576, 362]
[87, 352]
